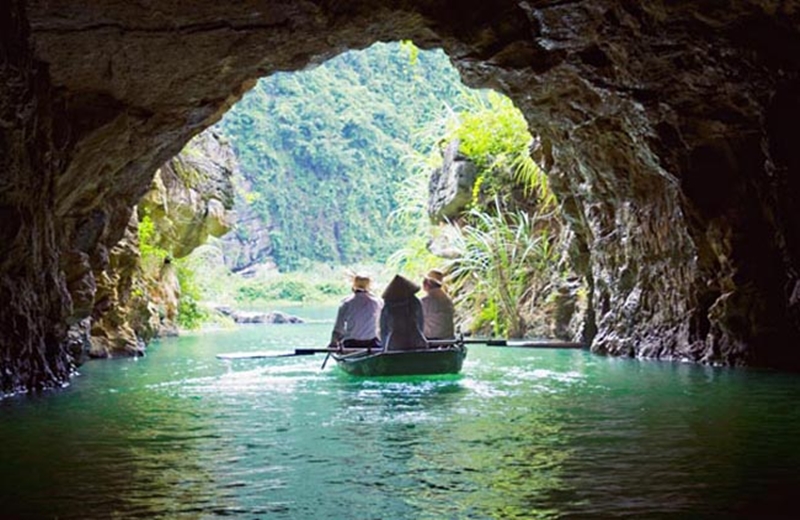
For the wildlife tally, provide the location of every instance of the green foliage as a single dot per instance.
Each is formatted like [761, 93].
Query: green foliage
[288, 288]
[330, 152]
[509, 240]
[190, 314]
[332, 289]
[534, 180]
[152, 255]
[210, 278]
[325, 150]
[492, 130]
[413, 51]
[506, 259]
[493, 133]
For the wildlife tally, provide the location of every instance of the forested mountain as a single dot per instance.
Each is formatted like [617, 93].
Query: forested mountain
[324, 151]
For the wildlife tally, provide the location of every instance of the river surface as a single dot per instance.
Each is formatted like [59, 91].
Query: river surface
[519, 434]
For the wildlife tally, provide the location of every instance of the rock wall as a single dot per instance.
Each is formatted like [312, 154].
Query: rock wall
[191, 196]
[137, 297]
[36, 304]
[666, 159]
[450, 185]
[667, 127]
[248, 245]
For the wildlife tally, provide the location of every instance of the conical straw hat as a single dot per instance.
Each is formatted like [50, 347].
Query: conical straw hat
[400, 288]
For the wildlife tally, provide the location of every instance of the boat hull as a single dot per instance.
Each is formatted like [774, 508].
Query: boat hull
[430, 361]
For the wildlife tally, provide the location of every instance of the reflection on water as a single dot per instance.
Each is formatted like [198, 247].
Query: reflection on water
[519, 434]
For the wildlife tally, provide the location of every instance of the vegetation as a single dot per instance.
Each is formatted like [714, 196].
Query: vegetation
[312, 283]
[325, 150]
[506, 248]
[152, 255]
[493, 133]
[290, 288]
[510, 250]
[330, 152]
[509, 265]
[190, 314]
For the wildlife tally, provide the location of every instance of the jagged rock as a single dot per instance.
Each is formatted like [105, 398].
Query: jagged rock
[134, 303]
[669, 128]
[249, 244]
[450, 186]
[118, 302]
[276, 317]
[190, 197]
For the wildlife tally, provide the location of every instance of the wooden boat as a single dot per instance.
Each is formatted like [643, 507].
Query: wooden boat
[444, 356]
[445, 359]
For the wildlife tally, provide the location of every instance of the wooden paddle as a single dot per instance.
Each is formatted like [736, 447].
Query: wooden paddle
[490, 342]
[296, 352]
[468, 341]
[496, 342]
[547, 343]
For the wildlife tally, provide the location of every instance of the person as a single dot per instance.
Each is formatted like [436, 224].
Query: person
[357, 318]
[401, 321]
[437, 307]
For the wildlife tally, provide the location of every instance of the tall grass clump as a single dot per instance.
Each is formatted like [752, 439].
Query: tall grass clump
[510, 247]
[508, 265]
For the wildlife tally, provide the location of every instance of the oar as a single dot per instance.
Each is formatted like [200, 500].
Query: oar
[496, 342]
[312, 351]
[325, 361]
[268, 354]
[492, 342]
[296, 352]
[547, 343]
[309, 351]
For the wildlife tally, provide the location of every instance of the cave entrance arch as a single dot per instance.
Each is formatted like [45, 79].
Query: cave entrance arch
[634, 101]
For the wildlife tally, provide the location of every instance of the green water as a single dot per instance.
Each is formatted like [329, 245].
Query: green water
[520, 434]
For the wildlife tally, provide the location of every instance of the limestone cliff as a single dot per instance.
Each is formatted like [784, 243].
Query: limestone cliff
[249, 244]
[191, 195]
[668, 128]
[137, 296]
[450, 185]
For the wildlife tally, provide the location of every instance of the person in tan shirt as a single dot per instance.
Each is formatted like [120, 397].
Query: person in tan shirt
[437, 307]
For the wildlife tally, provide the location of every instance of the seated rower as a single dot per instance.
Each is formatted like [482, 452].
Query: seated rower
[437, 307]
[401, 321]
[357, 319]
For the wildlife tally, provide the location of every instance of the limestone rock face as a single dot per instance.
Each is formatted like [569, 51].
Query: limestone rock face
[188, 201]
[34, 349]
[249, 244]
[450, 186]
[119, 304]
[191, 195]
[669, 130]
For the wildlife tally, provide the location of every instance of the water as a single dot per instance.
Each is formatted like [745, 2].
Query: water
[520, 434]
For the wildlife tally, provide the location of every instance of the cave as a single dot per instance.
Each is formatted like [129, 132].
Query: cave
[665, 128]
